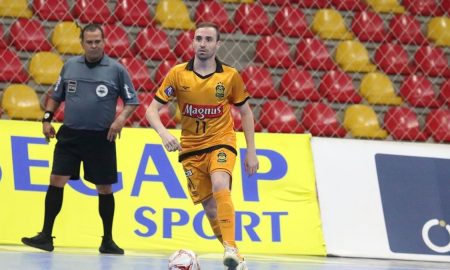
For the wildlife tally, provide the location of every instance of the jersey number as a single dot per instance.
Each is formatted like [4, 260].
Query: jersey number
[201, 126]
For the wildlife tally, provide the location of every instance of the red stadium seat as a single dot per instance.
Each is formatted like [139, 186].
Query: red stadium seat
[369, 26]
[259, 82]
[162, 70]
[153, 43]
[299, 85]
[291, 22]
[312, 54]
[164, 113]
[215, 12]
[337, 86]
[273, 52]
[445, 92]
[393, 59]
[318, 4]
[117, 43]
[238, 121]
[133, 13]
[29, 35]
[252, 19]
[437, 123]
[3, 43]
[406, 29]
[418, 91]
[279, 116]
[140, 75]
[52, 10]
[183, 47]
[402, 124]
[275, 2]
[92, 11]
[349, 5]
[445, 6]
[423, 7]
[432, 61]
[59, 114]
[11, 69]
[321, 120]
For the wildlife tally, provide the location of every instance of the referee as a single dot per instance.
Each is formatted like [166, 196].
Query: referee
[90, 86]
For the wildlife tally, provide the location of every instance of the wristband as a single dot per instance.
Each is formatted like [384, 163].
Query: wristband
[48, 116]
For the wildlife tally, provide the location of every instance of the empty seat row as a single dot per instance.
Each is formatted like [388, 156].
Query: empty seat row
[351, 56]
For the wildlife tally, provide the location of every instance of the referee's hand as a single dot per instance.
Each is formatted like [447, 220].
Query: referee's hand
[48, 130]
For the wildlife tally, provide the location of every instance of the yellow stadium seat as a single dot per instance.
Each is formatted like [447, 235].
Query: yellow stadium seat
[173, 14]
[15, 8]
[352, 56]
[362, 122]
[386, 6]
[377, 88]
[21, 102]
[66, 38]
[438, 31]
[329, 24]
[45, 67]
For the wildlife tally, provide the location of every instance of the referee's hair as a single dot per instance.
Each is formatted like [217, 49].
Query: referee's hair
[209, 24]
[91, 28]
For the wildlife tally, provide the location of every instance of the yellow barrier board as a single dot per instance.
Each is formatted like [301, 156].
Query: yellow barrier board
[276, 209]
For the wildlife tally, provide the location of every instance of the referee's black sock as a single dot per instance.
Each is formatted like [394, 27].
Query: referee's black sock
[106, 207]
[53, 204]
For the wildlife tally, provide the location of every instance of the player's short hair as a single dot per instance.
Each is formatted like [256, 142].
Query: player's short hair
[92, 27]
[209, 24]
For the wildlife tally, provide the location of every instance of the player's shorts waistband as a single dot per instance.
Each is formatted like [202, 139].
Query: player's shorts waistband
[206, 150]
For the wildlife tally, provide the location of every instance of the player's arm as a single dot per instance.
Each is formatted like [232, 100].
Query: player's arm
[169, 141]
[47, 128]
[248, 126]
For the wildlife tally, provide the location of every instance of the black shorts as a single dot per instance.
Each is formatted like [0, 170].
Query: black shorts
[92, 147]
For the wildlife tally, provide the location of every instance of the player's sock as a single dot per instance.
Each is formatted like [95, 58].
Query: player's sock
[216, 228]
[53, 204]
[226, 216]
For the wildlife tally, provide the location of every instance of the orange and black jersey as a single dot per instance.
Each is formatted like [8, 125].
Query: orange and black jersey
[205, 105]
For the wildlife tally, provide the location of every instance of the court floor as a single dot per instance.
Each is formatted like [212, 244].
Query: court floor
[21, 257]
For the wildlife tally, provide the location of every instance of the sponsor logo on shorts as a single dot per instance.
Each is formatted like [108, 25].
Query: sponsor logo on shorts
[222, 157]
[101, 90]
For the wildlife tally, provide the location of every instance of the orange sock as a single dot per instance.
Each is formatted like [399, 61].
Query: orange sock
[216, 229]
[226, 216]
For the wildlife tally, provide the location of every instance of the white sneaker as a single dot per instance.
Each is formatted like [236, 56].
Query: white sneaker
[233, 260]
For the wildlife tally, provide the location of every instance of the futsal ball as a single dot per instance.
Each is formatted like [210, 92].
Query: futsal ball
[183, 259]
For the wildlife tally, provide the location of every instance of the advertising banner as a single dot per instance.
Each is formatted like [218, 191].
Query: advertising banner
[381, 199]
[276, 209]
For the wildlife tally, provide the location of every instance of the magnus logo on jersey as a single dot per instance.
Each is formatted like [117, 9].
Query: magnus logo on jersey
[415, 193]
[202, 111]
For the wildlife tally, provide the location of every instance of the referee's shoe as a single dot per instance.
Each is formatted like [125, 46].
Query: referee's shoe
[40, 241]
[109, 247]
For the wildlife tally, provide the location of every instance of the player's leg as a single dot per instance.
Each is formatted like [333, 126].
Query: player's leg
[210, 207]
[221, 166]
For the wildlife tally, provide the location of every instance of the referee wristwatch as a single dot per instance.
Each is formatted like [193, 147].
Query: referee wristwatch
[48, 117]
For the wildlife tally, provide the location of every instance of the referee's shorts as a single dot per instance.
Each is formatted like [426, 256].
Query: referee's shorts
[92, 147]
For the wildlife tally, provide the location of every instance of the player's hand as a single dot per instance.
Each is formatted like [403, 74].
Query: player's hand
[251, 163]
[48, 131]
[170, 142]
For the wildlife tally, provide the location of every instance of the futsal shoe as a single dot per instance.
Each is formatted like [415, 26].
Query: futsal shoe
[233, 260]
[109, 247]
[40, 241]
